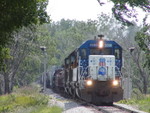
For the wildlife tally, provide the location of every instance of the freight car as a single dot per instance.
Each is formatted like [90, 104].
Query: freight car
[92, 72]
[58, 80]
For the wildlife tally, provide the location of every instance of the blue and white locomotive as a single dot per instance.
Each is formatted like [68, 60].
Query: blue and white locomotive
[93, 72]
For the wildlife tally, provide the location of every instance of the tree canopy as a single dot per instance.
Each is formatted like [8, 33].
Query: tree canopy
[16, 14]
[123, 10]
[20, 13]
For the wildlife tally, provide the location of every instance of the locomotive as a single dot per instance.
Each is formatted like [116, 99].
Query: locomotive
[92, 72]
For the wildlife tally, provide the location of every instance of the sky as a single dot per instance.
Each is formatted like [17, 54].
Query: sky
[76, 9]
[81, 10]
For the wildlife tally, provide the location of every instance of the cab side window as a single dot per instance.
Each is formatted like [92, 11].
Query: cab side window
[72, 59]
[67, 62]
[83, 53]
[117, 54]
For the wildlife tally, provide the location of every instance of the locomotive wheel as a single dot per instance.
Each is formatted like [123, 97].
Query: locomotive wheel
[78, 93]
[66, 90]
[70, 91]
[73, 93]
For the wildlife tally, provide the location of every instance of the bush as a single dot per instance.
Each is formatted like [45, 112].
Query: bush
[6, 103]
[24, 98]
[28, 90]
[142, 102]
[136, 94]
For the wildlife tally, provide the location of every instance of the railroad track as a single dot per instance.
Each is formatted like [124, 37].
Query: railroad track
[116, 108]
[111, 109]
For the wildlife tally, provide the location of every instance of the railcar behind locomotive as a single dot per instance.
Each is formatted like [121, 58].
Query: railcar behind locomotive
[58, 80]
[93, 72]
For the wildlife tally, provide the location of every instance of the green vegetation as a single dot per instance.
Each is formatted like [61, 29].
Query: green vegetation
[26, 100]
[20, 38]
[15, 15]
[44, 109]
[142, 103]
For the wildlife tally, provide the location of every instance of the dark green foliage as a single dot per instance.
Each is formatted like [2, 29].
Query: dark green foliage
[4, 54]
[143, 39]
[16, 14]
[21, 13]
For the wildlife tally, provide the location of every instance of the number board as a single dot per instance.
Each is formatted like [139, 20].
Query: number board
[96, 45]
[108, 45]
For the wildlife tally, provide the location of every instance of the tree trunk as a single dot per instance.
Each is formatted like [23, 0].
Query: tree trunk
[142, 73]
[1, 84]
[6, 82]
[1, 88]
[145, 84]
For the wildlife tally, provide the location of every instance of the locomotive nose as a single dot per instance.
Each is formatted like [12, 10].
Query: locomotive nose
[105, 92]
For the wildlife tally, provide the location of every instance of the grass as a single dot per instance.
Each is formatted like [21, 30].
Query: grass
[26, 100]
[142, 103]
[44, 109]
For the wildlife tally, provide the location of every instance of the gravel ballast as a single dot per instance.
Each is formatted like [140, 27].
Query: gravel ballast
[68, 105]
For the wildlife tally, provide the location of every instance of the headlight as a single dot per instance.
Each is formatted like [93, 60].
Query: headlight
[115, 83]
[101, 44]
[89, 82]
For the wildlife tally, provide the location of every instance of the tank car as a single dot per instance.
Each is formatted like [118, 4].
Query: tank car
[93, 72]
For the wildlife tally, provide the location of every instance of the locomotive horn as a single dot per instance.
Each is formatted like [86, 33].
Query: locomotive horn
[100, 36]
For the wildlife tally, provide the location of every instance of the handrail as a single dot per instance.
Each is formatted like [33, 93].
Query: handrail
[119, 71]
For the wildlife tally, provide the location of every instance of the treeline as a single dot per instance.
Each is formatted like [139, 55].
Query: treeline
[17, 20]
[60, 38]
[21, 33]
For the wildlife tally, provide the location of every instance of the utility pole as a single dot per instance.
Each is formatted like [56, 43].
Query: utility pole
[131, 49]
[43, 48]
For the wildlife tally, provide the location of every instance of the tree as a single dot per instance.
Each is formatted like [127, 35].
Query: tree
[124, 10]
[26, 57]
[19, 50]
[69, 34]
[143, 39]
[133, 60]
[16, 14]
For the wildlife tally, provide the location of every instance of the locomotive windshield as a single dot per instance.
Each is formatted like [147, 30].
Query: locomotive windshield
[95, 51]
